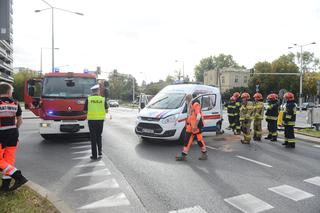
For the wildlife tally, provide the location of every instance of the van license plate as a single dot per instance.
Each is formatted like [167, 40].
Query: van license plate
[147, 130]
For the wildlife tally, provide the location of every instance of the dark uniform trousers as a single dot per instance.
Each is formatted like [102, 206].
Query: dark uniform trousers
[96, 128]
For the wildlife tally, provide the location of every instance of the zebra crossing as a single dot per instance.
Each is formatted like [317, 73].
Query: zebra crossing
[99, 171]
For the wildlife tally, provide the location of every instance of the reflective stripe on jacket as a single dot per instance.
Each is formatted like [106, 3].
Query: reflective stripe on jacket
[258, 110]
[247, 111]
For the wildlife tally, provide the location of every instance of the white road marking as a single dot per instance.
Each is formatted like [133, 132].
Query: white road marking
[195, 209]
[115, 200]
[102, 172]
[210, 147]
[253, 161]
[248, 203]
[92, 164]
[81, 158]
[291, 192]
[107, 184]
[315, 180]
[317, 146]
[280, 139]
[81, 147]
[205, 170]
[81, 152]
[81, 143]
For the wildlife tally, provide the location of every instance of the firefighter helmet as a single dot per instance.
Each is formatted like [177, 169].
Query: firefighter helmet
[258, 96]
[272, 97]
[232, 98]
[289, 96]
[236, 94]
[245, 95]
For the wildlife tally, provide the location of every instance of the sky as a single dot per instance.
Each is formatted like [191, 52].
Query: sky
[145, 38]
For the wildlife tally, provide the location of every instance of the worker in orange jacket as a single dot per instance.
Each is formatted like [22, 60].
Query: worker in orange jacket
[10, 121]
[194, 126]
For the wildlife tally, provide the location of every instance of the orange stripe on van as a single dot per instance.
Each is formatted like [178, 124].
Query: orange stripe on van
[208, 117]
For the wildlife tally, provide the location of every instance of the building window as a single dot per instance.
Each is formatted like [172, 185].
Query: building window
[222, 80]
[236, 79]
[245, 79]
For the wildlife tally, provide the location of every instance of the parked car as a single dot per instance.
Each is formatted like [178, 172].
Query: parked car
[113, 103]
[307, 105]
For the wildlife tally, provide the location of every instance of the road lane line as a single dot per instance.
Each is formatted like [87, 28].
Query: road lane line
[317, 146]
[253, 161]
[248, 203]
[102, 172]
[210, 147]
[82, 152]
[315, 180]
[291, 192]
[195, 209]
[115, 200]
[92, 164]
[107, 184]
[80, 147]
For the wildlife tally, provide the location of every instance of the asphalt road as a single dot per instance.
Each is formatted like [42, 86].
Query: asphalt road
[141, 176]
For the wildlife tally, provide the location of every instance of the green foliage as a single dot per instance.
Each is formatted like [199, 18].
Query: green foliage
[19, 80]
[213, 62]
[121, 86]
[227, 94]
[310, 83]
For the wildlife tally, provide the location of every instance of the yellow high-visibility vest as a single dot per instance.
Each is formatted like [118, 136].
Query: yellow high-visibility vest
[96, 108]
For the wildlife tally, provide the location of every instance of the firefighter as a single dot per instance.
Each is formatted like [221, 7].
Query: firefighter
[246, 116]
[10, 121]
[96, 108]
[272, 116]
[236, 95]
[258, 116]
[289, 118]
[230, 110]
[194, 126]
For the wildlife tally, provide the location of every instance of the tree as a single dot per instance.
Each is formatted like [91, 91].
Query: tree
[213, 62]
[18, 82]
[121, 86]
[310, 83]
[227, 94]
[310, 62]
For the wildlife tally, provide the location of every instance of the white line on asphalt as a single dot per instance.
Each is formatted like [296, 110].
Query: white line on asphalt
[81, 152]
[291, 192]
[317, 146]
[80, 147]
[280, 139]
[315, 180]
[92, 164]
[81, 143]
[248, 203]
[102, 172]
[82, 158]
[195, 209]
[115, 200]
[253, 161]
[107, 184]
[210, 147]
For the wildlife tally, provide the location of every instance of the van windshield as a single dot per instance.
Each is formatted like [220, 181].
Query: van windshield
[166, 101]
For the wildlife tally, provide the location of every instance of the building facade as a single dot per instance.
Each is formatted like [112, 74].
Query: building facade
[6, 49]
[229, 78]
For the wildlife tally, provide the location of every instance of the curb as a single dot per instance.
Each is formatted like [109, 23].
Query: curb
[60, 205]
[308, 140]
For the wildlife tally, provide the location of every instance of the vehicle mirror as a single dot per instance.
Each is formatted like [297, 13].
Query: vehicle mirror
[142, 105]
[31, 91]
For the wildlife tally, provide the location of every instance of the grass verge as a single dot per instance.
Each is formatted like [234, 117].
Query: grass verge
[310, 132]
[25, 200]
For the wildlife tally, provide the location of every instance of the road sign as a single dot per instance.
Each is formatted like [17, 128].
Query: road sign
[5, 19]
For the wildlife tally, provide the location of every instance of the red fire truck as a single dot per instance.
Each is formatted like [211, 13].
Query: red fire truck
[58, 99]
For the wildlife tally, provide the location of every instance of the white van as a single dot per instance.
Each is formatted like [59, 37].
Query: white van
[165, 115]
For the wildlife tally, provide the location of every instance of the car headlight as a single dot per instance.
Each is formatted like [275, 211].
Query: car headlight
[44, 125]
[170, 119]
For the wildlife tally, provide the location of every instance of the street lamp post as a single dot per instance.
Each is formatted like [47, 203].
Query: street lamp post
[301, 70]
[41, 57]
[182, 68]
[52, 8]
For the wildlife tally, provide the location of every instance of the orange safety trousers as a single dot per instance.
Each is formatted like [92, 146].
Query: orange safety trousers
[7, 159]
[189, 138]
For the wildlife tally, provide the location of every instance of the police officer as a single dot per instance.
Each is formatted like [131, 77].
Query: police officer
[10, 121]
[289, 118]
[231, 110]
[272, 116]
[246, 116]
[194, 126]
[236, 95]
[96, 108]
[258, 116]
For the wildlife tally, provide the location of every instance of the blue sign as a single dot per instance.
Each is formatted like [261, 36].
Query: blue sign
[56, 69]
[86, 71]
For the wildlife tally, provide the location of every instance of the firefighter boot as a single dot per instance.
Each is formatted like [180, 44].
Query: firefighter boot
[291, 145]
[19, 180]
[274, 139]
[285, 143]
[5, 185]
[181, 157]
[269, 137]
[203, 156]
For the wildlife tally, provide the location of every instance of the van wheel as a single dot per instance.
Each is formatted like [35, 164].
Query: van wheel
[182, 136]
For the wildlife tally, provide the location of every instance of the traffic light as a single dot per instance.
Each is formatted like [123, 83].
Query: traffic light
[5, 19]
